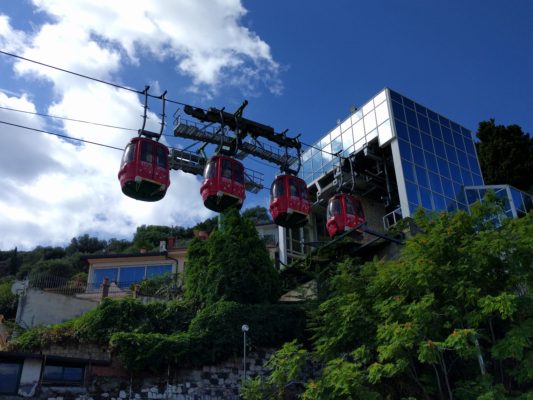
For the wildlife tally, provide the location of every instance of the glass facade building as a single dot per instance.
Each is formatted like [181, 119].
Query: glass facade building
[434, 158]
[402, 156]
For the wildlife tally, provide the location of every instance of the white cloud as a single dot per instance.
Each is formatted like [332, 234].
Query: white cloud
[54, 189]
[10, 39]
[204, 38]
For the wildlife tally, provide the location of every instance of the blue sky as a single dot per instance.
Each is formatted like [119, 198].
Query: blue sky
[301, 65]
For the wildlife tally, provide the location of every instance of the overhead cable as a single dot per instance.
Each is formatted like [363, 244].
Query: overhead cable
[60, 135]
[140, 92]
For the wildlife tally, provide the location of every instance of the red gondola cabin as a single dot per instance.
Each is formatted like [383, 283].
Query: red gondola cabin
[289, 201]
[344, 213]
[144, 171]
[223, 184]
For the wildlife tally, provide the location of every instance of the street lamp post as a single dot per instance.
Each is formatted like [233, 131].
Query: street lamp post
[244, 329]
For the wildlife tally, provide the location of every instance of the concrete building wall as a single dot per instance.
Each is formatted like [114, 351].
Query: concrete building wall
[37, 307]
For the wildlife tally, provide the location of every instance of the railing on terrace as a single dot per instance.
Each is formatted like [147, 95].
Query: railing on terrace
[392, 218]
[161, 287]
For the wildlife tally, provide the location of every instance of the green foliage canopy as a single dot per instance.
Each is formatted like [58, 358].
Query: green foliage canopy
[233, 265]
[505, 154]
[451, 318]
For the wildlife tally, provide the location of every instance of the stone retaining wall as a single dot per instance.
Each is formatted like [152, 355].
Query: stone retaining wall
[218, 382]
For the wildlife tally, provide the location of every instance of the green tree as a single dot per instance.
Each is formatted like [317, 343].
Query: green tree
[86, 244]
[233, 264]
[258, 215]
[208, 225]
[149, 236]
[118, 245]
[505, 154]
[452, 317]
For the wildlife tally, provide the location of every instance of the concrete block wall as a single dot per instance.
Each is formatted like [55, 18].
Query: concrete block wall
[215, 382]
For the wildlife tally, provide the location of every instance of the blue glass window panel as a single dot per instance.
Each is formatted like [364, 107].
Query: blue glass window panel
[418, 156]
[474, 167]
[421, 176]
[434, 180]
[395, 96]
[328, 166]
[420, 109]
[450, 154]
[408, 171]
[443, 167]
[425, 198]
[408, 103]
[444, 121]
[336, 145]
[455, 173]
[10, 373]
[469, 146]
[435, 130]
[446, 135]
[462, 206]
[517, 200]
[63, 374]
[100, 274]
[405, 150]
[463, 161]
[432, 115]
[414, 135]
[440, 203]
[73, 374]
[472, 196]
[461, 200]
[467, 177]
[413, 207]
[317, 161]
[447, 188]
[427, 143]
[410, 116]
[458, 140]
[307, 166]
[455, 126]
[439, 148]
[401, 130]
[156, 270]
[431, 162]
[477, 180]
[53, 373]
[451, 205]
[423, 122]
[458, 190]
[466, 132]
[130, 275]
[397, 110]
[412, 192]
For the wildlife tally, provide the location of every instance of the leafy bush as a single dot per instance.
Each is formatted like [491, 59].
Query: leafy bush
[214, 334]
[232, 265]
[111, 316]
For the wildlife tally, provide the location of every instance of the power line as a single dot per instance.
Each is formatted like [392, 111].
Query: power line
[68, 119]
[73, 138]
[89, 77]
[76, 120]
[122, 87]
[61, 136]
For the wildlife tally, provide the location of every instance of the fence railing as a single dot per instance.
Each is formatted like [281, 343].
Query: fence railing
[165, 286]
